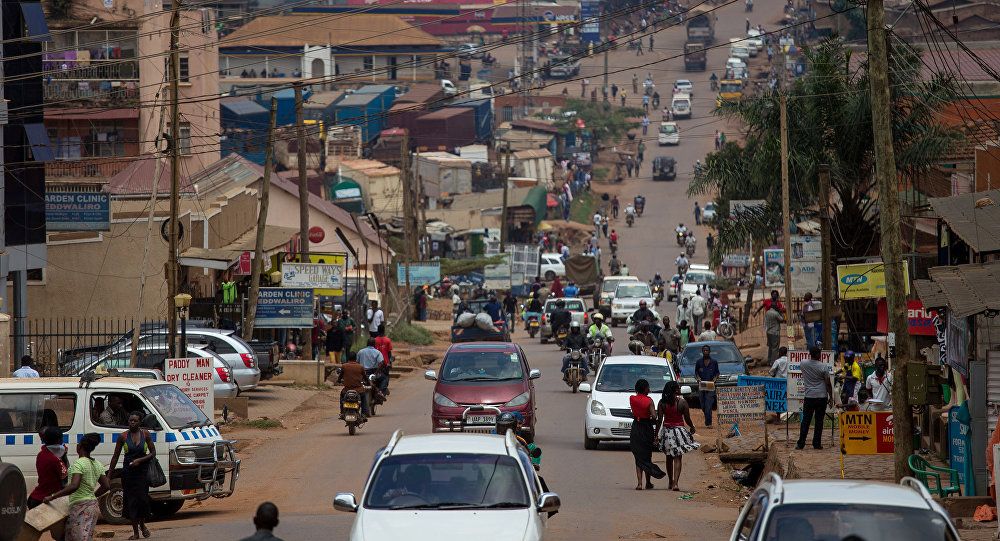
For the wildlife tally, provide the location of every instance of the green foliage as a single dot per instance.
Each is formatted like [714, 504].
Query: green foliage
[411, 334]
[582, 208]
[829, 121]
[260, 424]
[607, 123]
[451, 267]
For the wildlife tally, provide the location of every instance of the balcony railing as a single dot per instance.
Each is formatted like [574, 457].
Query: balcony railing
[108, 82]
[122, 69]
[96, 168]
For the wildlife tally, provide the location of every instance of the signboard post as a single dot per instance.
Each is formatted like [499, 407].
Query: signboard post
[77, 211]
[312, 276]
[284, 307]
[865, 433]
[865, 280]
[590, 16]
[420, 273]
[775, 391]
[193, 376]
[795, 388]
[742, 404]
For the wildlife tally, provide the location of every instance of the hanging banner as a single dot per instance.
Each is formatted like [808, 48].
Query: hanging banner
[806, 259]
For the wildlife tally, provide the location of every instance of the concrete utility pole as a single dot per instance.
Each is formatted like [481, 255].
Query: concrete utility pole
[786, 219]
[303, 175]
[175, 178]
[258, 254]
[826, 265]
[892, 257]
[409, 219]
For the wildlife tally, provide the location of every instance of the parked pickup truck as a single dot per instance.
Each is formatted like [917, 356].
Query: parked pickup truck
[695, 58]
[564, 67]
[268, 356]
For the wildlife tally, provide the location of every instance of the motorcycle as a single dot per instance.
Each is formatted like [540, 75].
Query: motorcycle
[375, 396]
[726, 327]
[533, 326]
[574, 374]
[561, 335]
[640, 204]
[690, 249]
[629, 219]
[680, 238]
[598, 353]
[715, 85]
[614, 247]
[657, 294]
[351, 411]
[749, 6]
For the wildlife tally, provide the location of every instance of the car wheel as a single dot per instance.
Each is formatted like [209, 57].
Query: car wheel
[590, 444]
[549, 275]
[112, 504]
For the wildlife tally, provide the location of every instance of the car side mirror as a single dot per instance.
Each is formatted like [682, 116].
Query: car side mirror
[686, 389]
[430, 375]
[150, 422]
[548, 502]
[534, 373]
[346, 502]
[584, 387]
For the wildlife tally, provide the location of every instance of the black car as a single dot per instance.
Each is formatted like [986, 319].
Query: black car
[664, 168]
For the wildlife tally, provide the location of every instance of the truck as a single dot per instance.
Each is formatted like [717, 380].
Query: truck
[695, 58]
[701, 26]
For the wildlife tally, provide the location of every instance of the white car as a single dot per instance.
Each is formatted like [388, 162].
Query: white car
[669, 134]
[755, 39]
[697, 275]
[735, 63]
[836, 509]
[450, 486]
[680, 106]
[627, 298]
[608, 416]
[470, 50]
[551, 266]
[684, 86]
[708, 214]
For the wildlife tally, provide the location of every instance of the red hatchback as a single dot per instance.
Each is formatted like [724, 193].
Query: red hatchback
[478, 379]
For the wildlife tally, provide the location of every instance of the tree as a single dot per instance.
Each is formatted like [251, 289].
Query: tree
[603, 121]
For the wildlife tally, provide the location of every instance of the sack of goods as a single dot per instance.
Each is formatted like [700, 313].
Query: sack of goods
[466, 320]
[485, 322]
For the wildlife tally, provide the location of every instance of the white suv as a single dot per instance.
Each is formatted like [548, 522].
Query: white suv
[626, 301]
[836, 509]
[444, 486]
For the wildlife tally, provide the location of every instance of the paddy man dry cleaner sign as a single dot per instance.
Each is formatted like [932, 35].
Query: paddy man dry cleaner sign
[193, 376]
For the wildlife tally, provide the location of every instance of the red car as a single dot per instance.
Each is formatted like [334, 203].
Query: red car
[477, 374]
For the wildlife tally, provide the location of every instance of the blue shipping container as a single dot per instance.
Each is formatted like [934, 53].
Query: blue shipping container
[286, 104]
[242, 114]
[362, 110]
[484, 116]
[387, 94]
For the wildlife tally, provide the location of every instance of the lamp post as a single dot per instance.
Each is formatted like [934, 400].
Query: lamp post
[183, 302]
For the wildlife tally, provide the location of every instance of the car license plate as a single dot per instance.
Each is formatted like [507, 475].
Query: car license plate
[351, 405]
[624, 424]
[481, 420]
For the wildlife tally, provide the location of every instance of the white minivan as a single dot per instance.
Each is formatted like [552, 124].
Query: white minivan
[196, 460]
[680, 106]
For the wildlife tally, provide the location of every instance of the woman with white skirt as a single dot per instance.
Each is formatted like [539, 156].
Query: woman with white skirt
[675, 439]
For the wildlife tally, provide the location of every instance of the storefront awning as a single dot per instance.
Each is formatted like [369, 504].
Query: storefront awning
[276, 239]
[975, 217]
[964, 290]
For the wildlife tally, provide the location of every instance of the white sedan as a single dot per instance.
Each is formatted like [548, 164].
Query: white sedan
[684, 86]
[708, 214]
[551, 266]
[608, 416]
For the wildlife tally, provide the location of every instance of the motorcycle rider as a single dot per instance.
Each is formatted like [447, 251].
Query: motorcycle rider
[714, 80]
[353, 376]
[574, 340]
[690, 243]
[682, 264]
[615, 265]
[680, 231]
[658, 280]
[642, 314]
[560, 317]
[599, 328]
[571, 290]
[630, 210]
[640, 202]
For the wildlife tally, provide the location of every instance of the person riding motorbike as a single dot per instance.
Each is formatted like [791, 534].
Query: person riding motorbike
[714, 80]
[640, 202]
[658, 280]
[690, 243]
[574, 340]
[599, 328]
[697, 167]
[680, 232]
[630, 211]
[636, 347]
[682, 265]
[571, 290]
[560, 317]
[642, 314]
[615, 265]
[534, 309]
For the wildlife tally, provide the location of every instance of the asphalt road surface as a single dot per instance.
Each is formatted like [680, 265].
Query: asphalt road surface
[301, 472]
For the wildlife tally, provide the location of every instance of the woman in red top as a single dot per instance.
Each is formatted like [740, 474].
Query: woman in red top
[675, 440]
[643, 435]
[51, 464]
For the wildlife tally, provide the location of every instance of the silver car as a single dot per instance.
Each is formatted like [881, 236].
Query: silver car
[150, 361]
[239, 355]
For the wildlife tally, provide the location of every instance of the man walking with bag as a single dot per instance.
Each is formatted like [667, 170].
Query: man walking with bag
[818, 394]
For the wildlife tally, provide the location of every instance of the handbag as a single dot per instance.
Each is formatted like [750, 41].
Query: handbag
[154, 474]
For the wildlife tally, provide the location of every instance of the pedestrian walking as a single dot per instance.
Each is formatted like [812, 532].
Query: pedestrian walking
[51, 467]
[817, 395]
[748, 26]
[722, 139]
[772, 330]
[615, 207]
[718, 143]
[376, 320]
[335, 339]
[642, 436]
[614, 91]
[645, 118]
[604, 226]
[628, 165]
[638, 47]
[87, 481]
[347, 326]
[597, 220]
[265, 520]
[697, 213]
[635, 83]
[623, 98]
[593, 95]
[641, 152]
[139, 451]
[645, 107]
[651, 43]
[707, 372]
[27, 369]
[710, 244]
[674, 439]
[698, 309]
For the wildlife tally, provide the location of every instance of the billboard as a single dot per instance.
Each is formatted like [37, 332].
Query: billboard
[420, 273]
[865, 280]
[77, 211]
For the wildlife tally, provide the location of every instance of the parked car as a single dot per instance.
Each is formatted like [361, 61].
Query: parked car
[607, 292]
[627, 298]
[664, 168]
[468, 483]
[493, 374]
[240, 356]
[842, 509]
[551, 266]
[576, 307]
[150, 358]
[608, 416]
[669, 134]
[708, 212]
[684, 86]
[732, 364]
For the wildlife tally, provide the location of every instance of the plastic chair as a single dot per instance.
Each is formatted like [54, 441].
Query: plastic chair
[924, 471]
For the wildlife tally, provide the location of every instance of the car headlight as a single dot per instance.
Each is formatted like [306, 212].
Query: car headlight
[597, 408]
[617, 306]
[689, 380]
[185, 456]
[519, 400]
[443, 400]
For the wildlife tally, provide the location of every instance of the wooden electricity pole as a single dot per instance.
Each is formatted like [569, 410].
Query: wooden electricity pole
[303, 176]
[505, 176]
[786, 219]
[409, 220]
[892, 256]
[175, 180]
[257, 265]
[826, 266]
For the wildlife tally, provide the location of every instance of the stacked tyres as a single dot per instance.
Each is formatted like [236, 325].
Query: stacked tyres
[13, 501]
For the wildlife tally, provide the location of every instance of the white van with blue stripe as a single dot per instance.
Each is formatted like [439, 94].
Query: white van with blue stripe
[197, 461]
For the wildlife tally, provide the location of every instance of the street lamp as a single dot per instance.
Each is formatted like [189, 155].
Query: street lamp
[182, 301]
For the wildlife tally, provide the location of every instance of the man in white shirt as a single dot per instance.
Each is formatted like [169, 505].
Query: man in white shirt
[26, 370]
[597, 223]
[708, 334]
[879, 385]
[698, 309]
[780, 367]
[376, 320]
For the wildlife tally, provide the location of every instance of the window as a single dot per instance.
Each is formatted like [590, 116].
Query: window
[749, 520]
[855, 521]
[481, 366]
[213, 343]
[183, 68]
[184, 136]
[27, 413]
[176, 408]
[508, 113]
[113, 409]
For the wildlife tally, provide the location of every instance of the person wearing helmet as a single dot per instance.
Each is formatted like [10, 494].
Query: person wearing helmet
[642, 314]
[658, 280]
[560, 317]
[599, 328]
[575, 340]
[506, 421]
[636, 347]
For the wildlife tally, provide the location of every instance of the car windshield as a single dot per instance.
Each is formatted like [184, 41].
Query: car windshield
[481, 366]
[609, 285]
[571, 305]
[176, 408]
[698, 277]
[681, 103]
[856, 522]
[632, 291]
[668, 128]
[448, 481]
[729, 358]
[621, 378]
[731, 87]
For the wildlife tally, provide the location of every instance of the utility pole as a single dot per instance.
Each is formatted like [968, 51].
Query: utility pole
[892, 257]
[409, 219]
[175, 178]
[505, 175]
[303, 176]
[786, 219]
[826, 267]
[258, 253]
[607, 90]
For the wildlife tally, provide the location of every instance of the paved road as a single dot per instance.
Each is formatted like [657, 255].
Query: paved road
[303, 472]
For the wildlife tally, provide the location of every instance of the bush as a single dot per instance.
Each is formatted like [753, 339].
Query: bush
[411, 334]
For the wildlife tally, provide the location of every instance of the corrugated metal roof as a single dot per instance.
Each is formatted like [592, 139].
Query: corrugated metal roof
[534, 153]
[975, 217]
[448, 112]
[964, 289]
[301, 29]
[243, 107]
[355, 100]
[320, 100]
